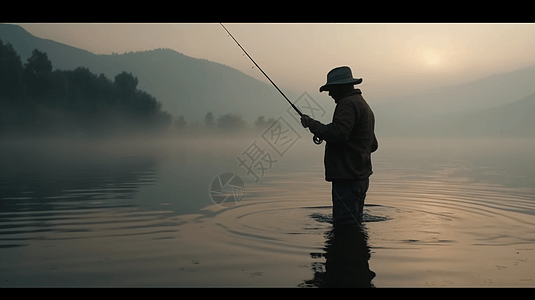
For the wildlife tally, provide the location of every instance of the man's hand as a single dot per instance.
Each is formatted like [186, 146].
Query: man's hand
[305, 120]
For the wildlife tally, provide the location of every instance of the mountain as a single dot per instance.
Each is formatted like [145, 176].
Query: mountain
[184, 85]
[62, 56]
[421, 113]
[490, 91]
[193, 87]
[513, 119]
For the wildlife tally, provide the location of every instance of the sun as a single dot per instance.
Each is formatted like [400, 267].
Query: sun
[431, 57]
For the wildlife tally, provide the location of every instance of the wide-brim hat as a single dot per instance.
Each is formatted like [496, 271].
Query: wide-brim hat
[340, 75]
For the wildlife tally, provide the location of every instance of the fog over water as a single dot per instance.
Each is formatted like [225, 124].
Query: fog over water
[161, 167]
[139, 212]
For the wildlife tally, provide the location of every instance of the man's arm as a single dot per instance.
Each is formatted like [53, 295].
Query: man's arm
[339, 129]
[375, 144]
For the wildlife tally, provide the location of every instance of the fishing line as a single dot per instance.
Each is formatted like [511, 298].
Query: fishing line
[316, 139]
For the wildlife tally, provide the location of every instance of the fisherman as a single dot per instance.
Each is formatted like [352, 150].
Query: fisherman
[350, 140]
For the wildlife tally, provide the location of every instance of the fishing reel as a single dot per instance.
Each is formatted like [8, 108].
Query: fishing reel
[317, 140]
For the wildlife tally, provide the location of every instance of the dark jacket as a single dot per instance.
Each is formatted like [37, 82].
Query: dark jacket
[350, 139]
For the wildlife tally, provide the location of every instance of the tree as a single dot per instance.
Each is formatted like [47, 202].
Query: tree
[127, 84]
[85, 83]
[39, 62]
[37, 76]
[230, 121]
[73, 100]
[261, 123]
[209, 120]
[126, 81]
[180, 123]
[10, 73]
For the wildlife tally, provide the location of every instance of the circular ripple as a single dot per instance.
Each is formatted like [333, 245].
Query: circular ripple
[442, 209]
[438, 210]
[286, 224]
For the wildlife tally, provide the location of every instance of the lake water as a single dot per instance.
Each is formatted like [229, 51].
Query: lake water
[439, 212]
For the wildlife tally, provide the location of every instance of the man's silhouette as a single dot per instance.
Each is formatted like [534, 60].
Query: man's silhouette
[350, 140]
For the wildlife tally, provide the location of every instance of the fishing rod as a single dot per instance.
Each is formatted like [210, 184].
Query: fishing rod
[316, 139]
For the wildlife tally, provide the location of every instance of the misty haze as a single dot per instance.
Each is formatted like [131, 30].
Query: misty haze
[112, 166]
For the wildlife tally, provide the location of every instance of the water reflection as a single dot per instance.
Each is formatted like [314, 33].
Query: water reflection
[58, 189]
[347, 254]
[144, 212]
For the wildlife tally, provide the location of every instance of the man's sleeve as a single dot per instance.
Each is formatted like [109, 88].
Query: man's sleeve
[375, 144]
[340, 128]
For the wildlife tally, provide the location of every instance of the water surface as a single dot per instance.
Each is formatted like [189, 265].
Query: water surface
[439, 212]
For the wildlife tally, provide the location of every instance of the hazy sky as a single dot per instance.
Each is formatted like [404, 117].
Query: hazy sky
[391, 58]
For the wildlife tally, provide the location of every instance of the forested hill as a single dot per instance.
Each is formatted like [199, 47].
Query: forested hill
[184, 85]
[37, 101]
[198, 90]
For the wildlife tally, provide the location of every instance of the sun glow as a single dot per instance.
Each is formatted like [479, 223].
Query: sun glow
[431, 57]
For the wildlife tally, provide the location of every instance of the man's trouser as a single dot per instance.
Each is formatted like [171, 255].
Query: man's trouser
[348, 201]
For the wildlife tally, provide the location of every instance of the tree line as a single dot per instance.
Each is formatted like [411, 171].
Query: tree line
[36, 101]
[227, 122]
